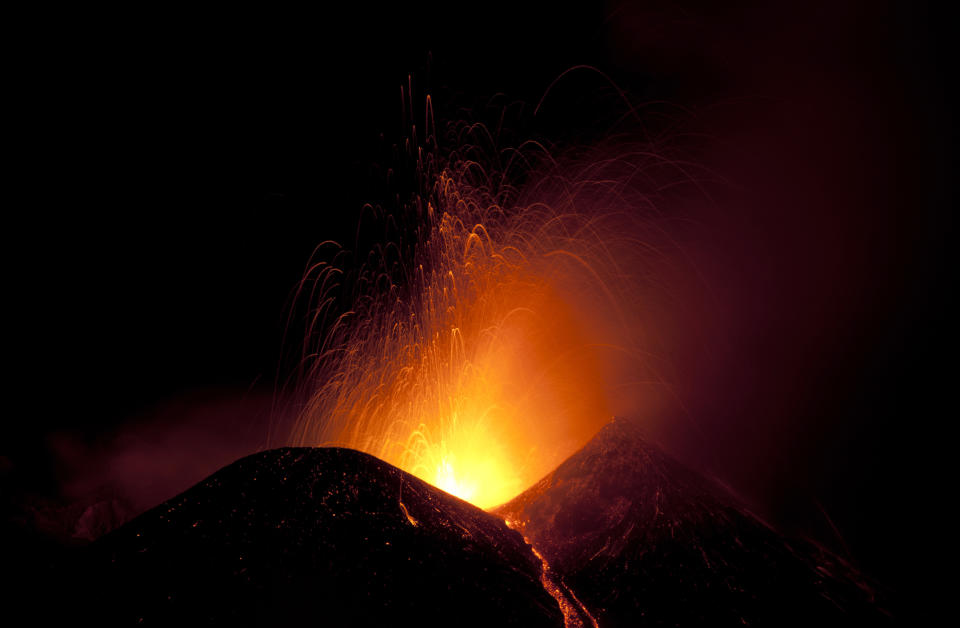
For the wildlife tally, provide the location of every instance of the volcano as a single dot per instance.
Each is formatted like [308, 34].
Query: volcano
[619, 534]
[642, 540]
[326, 536]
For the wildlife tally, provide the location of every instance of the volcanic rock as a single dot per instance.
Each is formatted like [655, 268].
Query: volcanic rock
[643, 541]
[316, 536]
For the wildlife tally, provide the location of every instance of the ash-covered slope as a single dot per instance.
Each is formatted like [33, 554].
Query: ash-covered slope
[641, 540]
[327, 537]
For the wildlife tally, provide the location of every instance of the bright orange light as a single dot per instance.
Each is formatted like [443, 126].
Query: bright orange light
[470, 354]
[503, 416]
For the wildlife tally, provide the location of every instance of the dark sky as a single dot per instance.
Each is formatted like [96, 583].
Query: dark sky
[175, 170]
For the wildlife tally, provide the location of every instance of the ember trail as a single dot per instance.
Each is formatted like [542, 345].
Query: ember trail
[470, 345]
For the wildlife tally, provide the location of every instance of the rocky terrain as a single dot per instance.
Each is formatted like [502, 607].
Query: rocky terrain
[642, 540]
[320, 536]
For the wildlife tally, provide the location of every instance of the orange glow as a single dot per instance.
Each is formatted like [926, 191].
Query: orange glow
[575, 614]
[472, 346]
[484, 437]
[478, 375]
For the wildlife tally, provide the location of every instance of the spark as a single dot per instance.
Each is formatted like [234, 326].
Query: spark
[467, 347]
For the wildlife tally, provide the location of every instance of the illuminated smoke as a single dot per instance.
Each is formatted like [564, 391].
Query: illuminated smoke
[477, 344]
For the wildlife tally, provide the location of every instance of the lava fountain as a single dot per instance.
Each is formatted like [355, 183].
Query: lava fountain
[469, 345]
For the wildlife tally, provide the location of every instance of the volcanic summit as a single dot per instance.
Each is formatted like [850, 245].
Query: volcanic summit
[323, 535]
[619, 534]
[642, 540]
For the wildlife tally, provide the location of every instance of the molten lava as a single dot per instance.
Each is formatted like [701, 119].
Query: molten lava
[479, 380]
[464, 348]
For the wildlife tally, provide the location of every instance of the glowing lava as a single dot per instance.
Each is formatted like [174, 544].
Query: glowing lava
[464, 348]
[474, 373]
[575, 614]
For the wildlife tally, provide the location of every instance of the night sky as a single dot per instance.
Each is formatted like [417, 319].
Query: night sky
[173, 172]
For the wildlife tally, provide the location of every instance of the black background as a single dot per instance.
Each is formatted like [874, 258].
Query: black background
[173, 171]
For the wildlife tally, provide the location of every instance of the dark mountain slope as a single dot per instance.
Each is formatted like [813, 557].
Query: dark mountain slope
[642, 540]
[303, 536]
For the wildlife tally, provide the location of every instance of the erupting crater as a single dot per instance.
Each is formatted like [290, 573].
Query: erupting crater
[471, 360]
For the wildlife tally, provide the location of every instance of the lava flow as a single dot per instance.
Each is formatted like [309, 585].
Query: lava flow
[575, 614]
[468, 346]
